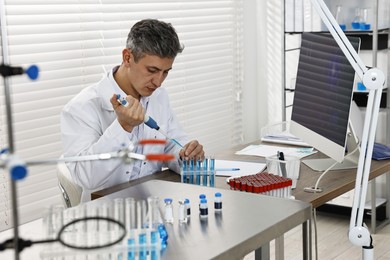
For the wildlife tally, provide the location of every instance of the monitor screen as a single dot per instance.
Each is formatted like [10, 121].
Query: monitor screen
[323, 94]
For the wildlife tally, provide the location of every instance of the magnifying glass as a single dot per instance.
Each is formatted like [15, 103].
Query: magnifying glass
[68, 240]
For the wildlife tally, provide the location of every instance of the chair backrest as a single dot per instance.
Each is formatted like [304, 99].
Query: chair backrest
[71, 192]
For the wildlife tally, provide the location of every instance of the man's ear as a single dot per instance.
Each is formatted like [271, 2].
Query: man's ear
[127, 56]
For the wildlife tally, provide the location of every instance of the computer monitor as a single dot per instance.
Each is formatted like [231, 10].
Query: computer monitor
[323, 101]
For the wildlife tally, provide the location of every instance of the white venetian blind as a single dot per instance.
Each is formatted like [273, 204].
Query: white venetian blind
[74, 42]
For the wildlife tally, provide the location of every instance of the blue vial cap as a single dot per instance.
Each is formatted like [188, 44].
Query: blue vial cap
[168, 200]
[202, 196]
[203, 201]
[187, 201]
[218, 194]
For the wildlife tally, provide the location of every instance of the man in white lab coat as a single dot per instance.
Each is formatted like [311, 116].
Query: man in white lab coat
[94, 122]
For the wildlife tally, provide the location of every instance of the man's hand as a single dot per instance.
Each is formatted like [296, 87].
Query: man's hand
[130, 116]
[192, 150]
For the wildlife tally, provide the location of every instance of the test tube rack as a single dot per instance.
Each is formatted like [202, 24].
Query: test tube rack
[199, 172]
[146, 236]
[263, 183]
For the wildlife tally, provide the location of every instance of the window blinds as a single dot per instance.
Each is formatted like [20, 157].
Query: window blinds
[74, 42]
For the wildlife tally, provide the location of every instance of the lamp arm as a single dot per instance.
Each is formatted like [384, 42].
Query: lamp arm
[374, 81]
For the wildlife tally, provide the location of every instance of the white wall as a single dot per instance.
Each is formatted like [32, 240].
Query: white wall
[254, 88]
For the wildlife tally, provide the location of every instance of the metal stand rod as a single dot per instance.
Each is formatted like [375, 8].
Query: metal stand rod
[15, 216]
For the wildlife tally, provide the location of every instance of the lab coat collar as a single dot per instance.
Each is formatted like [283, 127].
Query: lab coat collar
[107, 92]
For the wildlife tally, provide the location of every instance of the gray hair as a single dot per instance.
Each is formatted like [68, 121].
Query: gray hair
[153, 37]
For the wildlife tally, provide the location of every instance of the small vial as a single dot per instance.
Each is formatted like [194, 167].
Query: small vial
[201, 197]
[168, 215]
[203, 208]
[182, 212]
[188, 207]
[218, 202]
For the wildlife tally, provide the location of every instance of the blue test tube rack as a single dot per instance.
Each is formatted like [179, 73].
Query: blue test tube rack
[199, 172]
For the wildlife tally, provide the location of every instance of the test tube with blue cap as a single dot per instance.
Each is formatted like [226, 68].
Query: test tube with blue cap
[212, 170]
[192, 171]
[205, 171]
[148, 120]
[198, 171]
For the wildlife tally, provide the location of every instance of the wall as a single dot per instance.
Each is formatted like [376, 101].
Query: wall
[254, 90]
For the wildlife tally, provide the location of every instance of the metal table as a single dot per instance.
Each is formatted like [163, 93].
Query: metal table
[248, 221]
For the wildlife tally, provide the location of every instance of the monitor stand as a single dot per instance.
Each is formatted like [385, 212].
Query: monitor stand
[350, 160]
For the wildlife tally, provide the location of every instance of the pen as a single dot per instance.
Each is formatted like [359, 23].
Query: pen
[227, 169]
[282, 165]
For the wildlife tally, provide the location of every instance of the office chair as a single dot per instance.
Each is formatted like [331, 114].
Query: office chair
[70, 191]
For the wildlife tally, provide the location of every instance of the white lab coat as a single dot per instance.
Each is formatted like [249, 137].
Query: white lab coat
[89, 126]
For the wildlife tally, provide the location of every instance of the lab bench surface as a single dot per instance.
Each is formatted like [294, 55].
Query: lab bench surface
[247, 221]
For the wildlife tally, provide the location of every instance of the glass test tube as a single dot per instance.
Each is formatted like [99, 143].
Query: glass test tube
[141, 214]
[119, 211]
[205, 171]
[130, 219]
[54, 220]
[184, 172]
[198, 171]
[191, 171]
[103, 228]
[92, 225]
[212, 171]
[154, 217]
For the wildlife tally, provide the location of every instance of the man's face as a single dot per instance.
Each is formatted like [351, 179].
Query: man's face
[146, 75]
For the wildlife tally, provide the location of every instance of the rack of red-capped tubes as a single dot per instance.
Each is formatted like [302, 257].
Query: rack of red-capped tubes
[263, 183]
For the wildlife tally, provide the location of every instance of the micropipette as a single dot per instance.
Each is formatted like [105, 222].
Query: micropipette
[148, 120]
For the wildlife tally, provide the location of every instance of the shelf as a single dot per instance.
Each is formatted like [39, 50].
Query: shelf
[361, 98]
[365, 36]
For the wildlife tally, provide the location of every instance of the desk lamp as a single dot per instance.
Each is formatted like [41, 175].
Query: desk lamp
[374, 80]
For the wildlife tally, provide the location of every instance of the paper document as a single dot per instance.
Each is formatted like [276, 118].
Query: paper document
[269, 150]
[284, 138]
[237, 168]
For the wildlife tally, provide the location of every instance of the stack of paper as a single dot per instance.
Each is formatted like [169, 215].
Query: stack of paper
[269, 150]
